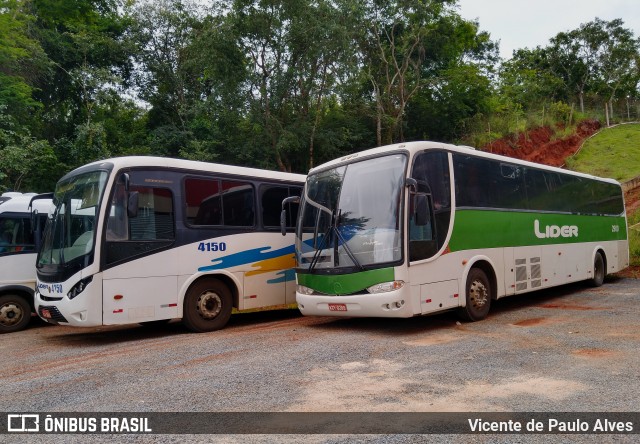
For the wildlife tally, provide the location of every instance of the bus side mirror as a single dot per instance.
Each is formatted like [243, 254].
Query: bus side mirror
[36, 229]
[132, 204]
[283, 213]
[34, 220]
[421, 209]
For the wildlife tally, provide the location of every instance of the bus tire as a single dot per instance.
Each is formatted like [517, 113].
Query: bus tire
[478, 296]
[15, 313]
[598, 270]
[207, 306]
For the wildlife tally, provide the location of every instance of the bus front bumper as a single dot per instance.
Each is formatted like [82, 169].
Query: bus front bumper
[392, 304]
[76, 312]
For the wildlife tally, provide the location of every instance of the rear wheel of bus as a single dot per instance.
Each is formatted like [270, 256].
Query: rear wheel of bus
[478, 296]
[15, 313]
[598, 270]
[207, 306]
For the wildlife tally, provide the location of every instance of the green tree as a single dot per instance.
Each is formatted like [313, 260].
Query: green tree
[90, 54]
[163, 32]
[599, 56]
[26, 163]
[295, 58]
[22, 60]
[618, 67]
[415, 49]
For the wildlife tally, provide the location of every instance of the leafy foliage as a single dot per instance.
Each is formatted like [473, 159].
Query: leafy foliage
[280, 84]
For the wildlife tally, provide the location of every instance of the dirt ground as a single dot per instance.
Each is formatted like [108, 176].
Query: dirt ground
[539, 145]
[566, 349]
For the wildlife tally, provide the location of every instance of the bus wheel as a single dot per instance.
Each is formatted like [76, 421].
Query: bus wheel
[598, 270]
[207, 306]
[478, 296]
[15, 313]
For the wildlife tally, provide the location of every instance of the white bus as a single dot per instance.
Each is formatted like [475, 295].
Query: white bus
[145, 239]
[22, 218]
[422, 227]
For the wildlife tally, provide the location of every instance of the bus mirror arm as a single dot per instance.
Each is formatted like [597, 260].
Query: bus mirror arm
[34, 212]
[132, 204]
[412, 184]
[283, 213]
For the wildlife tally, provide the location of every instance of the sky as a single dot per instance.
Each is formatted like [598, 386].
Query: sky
[521, 24]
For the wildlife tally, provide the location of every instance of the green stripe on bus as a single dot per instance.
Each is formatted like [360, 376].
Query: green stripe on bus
[475, 229]
[345, 283]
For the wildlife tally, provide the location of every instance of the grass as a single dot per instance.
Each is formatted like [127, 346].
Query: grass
[634, 238]
[613, 152]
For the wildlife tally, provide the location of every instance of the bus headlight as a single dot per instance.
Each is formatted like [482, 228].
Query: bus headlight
[79, 287]
[385, 287]
[305, 290]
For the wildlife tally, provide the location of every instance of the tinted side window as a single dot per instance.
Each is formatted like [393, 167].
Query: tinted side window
[15, 235]
[552, 191]
[204, 201]
[487, 183]
[271, 203]
[237, 203]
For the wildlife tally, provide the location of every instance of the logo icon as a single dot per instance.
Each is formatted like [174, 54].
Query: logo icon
[23, 423]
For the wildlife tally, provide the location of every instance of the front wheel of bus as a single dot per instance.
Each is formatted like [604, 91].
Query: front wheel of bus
[15, 313]
[478, 296]
[598, 271]
[207, 306]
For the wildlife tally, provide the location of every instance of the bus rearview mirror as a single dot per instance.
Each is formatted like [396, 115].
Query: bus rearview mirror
[283, 213]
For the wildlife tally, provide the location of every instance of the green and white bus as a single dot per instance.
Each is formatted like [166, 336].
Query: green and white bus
[422, 227]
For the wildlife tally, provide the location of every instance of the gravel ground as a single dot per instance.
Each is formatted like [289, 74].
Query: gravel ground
[571, 349]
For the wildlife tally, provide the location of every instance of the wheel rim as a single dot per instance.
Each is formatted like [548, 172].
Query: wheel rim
[10, 314]
[478, 294]
[209, 305]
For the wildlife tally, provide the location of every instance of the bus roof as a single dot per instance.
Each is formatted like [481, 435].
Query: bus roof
[415, 147]
[19, 203]
[166, 162]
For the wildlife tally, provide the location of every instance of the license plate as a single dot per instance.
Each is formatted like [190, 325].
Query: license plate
[45, 313]
[337, 307]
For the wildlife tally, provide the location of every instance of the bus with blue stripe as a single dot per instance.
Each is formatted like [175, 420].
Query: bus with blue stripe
[146, 240]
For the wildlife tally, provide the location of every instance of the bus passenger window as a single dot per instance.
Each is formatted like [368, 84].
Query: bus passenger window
[271, 203]
[203, 200]
[15, 235]
[237, 203]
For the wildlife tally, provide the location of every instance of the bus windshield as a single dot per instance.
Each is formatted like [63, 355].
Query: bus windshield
[69, 236]
[350, 215]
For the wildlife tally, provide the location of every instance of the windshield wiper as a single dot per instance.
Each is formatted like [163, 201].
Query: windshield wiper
[316, 255]
[340, 238]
